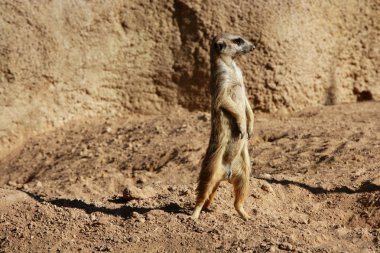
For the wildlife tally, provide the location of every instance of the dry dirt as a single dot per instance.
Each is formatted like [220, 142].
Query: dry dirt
[315, 186]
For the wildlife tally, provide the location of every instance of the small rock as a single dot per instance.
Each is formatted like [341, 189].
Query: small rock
[150, 217]
[155, 213]
[376, 181]
[106, 130]
[103, 248]
[172, 188]
[267, 187]
[135, 215]
[266, 176]
[13, 183]
[286, 246]
[93, 217]
[138, 217]
[134, 238]
[255, 194]
[141, 180]
[199, 229]
[132, 192]
[184, 192]
[39, 184]
[203, 117]
[263, 245]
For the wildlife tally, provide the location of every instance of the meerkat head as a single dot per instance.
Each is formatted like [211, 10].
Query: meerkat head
[231, 45]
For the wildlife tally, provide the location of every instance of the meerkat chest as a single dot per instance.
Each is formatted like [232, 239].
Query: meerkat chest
[237, 89]
[237, 74]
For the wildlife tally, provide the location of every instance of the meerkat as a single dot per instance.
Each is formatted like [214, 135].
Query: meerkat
[227, 157]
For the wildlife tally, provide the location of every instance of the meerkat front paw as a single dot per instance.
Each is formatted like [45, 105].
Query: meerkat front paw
[250, 122]
[242, 133]
[250, 130]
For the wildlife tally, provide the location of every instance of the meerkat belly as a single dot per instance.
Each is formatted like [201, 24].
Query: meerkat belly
[238, 96]
[235, 142]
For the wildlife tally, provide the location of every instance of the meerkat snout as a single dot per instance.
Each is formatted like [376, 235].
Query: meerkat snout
[249, 47]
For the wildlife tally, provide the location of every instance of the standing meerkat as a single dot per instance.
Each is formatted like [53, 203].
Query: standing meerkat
[227, 156]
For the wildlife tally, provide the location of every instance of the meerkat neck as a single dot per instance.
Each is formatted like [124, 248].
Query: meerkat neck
[228, 60]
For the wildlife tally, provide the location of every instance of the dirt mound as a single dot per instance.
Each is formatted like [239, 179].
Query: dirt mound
[65, 60]
[315, 186]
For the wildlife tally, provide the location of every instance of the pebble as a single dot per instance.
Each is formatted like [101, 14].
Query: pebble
[266, 176]
[267, 187]
[103, 248]
[376, 181]
[138, 217]
[203, 117]
[132, 192]
[172, 188]
[285, 246]
[134, 238]
[255, 194]
[93, 217]
[39, 184]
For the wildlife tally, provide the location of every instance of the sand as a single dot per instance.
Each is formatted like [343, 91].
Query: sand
[314, 187]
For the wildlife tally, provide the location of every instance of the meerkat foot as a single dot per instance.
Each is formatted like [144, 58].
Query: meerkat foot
[195, 215]
[243, 214]
[196, 212]
[206, 208]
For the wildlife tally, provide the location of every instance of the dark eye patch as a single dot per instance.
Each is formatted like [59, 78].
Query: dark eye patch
[238, 41]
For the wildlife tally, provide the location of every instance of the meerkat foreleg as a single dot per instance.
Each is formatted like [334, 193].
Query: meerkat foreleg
[228, 105]
[250, 118]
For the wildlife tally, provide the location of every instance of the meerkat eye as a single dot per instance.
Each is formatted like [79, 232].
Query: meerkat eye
[219, 46]
[238, 41]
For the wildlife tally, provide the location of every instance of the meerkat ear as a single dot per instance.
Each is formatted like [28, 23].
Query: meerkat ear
[219, 46]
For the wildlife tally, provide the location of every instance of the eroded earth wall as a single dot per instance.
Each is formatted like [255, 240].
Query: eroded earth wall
[67, 60]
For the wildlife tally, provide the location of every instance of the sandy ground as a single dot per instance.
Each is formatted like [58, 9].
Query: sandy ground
[315, 186]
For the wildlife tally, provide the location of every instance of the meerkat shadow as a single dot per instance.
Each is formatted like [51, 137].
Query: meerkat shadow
[168, 208]
[124, 211]
[366, 186]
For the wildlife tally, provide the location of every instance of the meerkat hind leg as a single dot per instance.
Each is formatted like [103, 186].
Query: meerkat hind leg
[207, 186]
[211, 197]
[241, 189]
[241, 183]
[203, 195]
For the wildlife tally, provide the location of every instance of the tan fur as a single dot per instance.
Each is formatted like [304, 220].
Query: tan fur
[227, 155]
